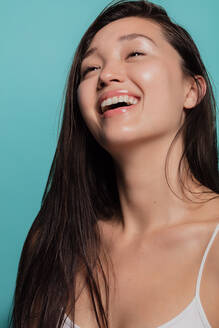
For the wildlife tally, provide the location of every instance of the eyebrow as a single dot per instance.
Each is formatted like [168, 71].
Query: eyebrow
[126, 37]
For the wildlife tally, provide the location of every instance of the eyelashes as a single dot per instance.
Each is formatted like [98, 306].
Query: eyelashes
[92, 68]
[89, 69]
[132, 54]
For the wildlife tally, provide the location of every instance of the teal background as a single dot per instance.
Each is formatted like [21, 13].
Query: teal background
[37, 41]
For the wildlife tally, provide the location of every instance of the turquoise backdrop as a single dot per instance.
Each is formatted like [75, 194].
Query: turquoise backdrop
[37, 41]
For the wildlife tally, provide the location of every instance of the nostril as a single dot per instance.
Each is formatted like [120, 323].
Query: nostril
[101, 84]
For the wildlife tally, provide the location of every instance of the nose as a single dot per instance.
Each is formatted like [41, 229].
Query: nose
[109, 74]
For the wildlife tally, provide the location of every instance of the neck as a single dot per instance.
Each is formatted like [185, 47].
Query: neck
[147, 201]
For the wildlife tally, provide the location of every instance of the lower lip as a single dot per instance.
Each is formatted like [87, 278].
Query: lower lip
[117, 111]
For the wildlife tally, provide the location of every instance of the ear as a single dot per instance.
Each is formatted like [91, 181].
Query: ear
[195, 91]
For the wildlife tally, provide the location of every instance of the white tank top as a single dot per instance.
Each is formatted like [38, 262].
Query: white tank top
[193, 316]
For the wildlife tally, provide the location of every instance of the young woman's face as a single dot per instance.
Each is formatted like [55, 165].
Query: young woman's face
[131, 58]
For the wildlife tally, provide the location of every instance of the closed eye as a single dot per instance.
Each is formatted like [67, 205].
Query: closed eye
[92, 68]
[89, 69]
[134, 53]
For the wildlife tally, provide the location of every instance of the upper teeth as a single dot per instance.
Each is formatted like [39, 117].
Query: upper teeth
[115, 100]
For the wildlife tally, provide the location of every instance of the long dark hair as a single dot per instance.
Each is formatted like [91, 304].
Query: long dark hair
[81, 188]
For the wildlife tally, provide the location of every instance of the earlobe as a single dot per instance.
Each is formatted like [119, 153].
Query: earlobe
[196, 92]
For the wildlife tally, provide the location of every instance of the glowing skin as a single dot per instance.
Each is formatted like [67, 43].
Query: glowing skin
[158, 245]
[155, 76]
[139, 139]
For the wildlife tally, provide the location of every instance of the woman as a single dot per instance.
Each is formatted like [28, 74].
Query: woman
[130, 210]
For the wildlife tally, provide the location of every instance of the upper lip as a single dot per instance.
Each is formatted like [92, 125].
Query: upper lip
[114, 93]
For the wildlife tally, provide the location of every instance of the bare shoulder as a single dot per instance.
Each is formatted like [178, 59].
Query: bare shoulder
[209, 289]
[213, 256]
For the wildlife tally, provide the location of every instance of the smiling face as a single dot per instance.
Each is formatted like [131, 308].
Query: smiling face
[131, 57]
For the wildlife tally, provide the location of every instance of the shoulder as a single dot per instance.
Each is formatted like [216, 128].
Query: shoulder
[209, 290]
[213, 255]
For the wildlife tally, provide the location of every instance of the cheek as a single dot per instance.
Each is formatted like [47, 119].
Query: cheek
[162, 91]
[161, 84]
[82, 99]
[86, 102]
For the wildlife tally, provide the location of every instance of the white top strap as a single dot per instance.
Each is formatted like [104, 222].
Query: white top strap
[204, 258]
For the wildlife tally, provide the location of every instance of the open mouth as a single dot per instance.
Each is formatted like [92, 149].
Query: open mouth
[115, 109]
[114, 106]
[115, 103]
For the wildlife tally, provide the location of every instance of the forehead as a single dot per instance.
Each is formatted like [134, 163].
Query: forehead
[128, 25]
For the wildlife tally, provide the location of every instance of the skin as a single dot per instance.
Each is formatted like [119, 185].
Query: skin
[155, 220]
